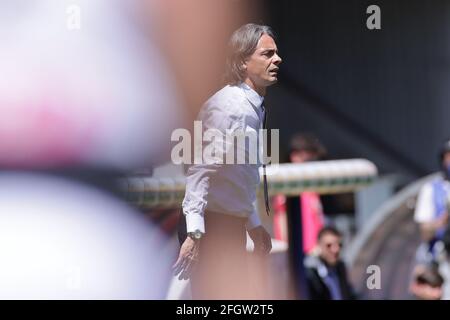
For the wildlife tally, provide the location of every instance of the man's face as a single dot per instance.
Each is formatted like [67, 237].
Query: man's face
[446, 160]
[427, 292]
[262, 65]
[330, 248]
[303, 156]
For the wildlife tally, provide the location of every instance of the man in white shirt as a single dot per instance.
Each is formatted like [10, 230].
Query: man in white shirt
[220, 200]
[432, 215]
[431, 212]
[425, 214]
[432, 205]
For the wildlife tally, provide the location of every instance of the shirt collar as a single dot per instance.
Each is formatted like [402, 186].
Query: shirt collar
[251, 95]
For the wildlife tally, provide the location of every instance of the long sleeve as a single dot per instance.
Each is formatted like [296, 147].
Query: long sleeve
[195, 200]
[253, 220]
[221, 183]
[199, 176]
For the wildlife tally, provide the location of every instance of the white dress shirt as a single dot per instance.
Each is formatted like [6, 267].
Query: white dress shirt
[225, 188]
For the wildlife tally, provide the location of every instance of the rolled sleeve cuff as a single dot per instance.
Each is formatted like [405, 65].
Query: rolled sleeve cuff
[253, 221]
[195, 222]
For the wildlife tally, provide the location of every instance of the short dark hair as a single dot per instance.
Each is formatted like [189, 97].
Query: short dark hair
[445, 148]
[242, 44]
[307, 142]
[430, 276]
[329, 229]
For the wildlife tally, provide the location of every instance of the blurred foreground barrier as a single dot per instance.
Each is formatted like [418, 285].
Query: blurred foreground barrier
[324, 177]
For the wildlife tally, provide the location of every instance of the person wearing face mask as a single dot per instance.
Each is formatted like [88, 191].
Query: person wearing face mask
[431, 212]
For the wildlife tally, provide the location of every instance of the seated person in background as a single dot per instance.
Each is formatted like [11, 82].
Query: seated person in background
[326, 273]
[303, 148]
[431, 211]
[427, 283]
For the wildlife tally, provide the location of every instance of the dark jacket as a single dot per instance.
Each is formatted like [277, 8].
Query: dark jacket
[316, 271]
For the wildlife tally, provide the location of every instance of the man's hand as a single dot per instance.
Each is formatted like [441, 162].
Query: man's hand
[187, 258]
[261, 239]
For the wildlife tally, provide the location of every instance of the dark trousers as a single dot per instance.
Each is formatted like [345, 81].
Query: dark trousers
[221, 271]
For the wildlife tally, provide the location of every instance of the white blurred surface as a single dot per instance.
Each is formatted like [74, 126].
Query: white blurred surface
[63, 240]
[100, 95]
